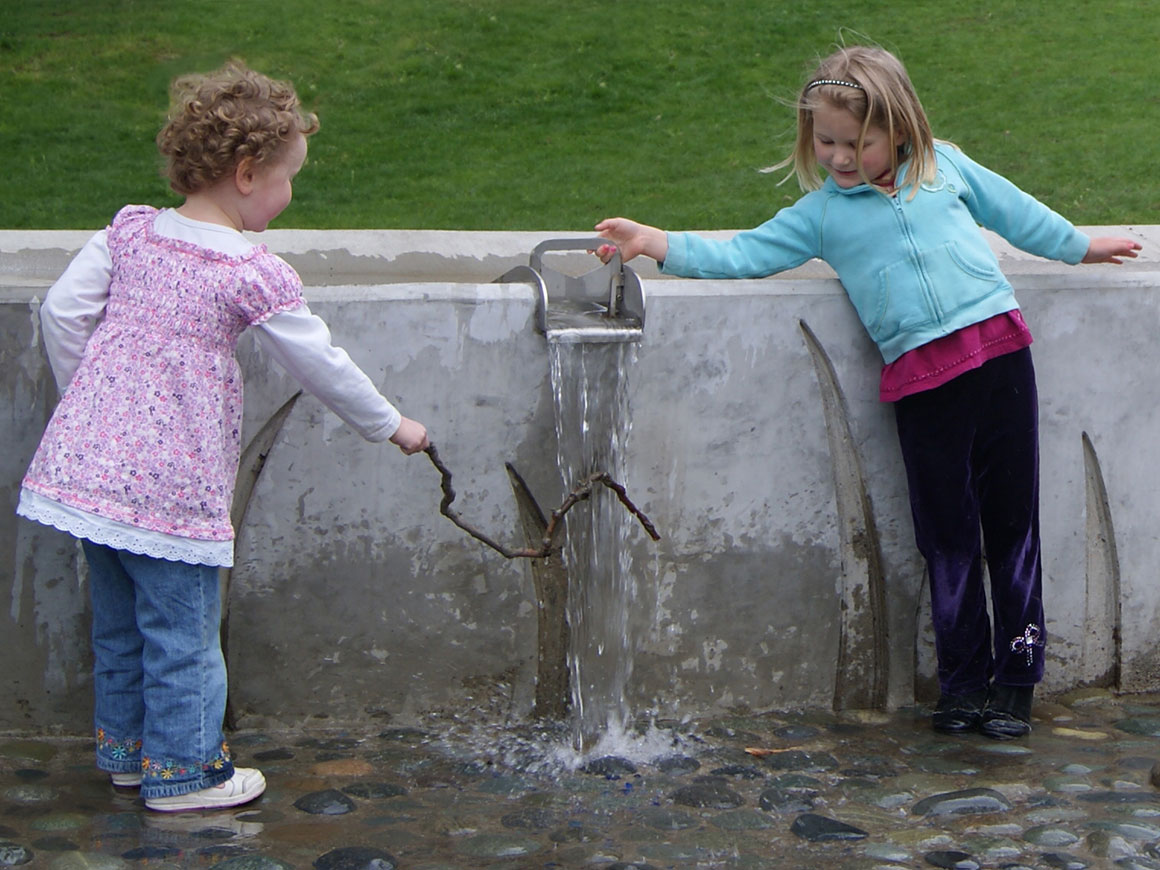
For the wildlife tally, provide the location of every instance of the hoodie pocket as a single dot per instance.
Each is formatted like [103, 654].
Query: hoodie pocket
[923, 290]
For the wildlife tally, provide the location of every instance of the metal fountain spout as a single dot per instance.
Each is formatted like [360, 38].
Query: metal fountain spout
[605, 304]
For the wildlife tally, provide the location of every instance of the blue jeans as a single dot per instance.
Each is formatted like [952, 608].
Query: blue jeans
[158, 673]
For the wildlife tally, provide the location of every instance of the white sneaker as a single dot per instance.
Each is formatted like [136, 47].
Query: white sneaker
[126, 780]
[246, 784]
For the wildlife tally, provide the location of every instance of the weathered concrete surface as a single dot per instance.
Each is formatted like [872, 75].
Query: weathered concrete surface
[354, 598]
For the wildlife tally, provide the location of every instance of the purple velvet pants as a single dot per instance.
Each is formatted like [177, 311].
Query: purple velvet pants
[971, 453]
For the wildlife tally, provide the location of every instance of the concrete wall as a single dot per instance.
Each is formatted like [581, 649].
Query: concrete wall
[353, 598]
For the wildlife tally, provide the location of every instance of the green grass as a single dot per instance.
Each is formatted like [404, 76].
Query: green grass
[547, 115]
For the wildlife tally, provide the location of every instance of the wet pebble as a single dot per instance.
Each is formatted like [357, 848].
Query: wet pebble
[713, 795]
[150, 853]
[723, 732]
[261, 817]
[875, 769]
[1051, 836]
[1128, 830]
[888, 852]
[820, 829]
[798, 782]
[946, 766]
[328, 802]
[780, 800]
[888, 799]
[30, 794]
[55, 844]
[999, 748]
[677, 764]
[742, 771]
[951, 860]
[966, 801]
[1067, 784]
[1062, 861]
[60, 822]
[611, 766]
[374, 790]
[13, 854]
[1146, 726]
[1104, 844]
[355, 858]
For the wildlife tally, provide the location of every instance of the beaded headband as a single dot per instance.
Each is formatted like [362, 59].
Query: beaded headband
[844, 84]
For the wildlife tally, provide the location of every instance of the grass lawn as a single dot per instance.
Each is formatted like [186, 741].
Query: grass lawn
[547, 115]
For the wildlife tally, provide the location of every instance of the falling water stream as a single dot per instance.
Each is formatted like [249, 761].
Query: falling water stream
[590, 386]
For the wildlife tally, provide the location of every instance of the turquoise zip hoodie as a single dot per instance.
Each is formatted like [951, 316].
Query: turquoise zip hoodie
[916, 268]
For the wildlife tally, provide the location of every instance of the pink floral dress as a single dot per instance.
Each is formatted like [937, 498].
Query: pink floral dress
[148, 432]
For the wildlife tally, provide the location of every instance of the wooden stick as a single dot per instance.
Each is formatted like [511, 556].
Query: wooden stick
[580, 493]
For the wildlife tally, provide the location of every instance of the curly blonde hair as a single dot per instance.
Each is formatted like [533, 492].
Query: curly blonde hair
[883, 97]
[218, 119]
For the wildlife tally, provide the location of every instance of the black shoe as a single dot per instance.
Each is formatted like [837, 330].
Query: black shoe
[959, 714]
[1008, 712]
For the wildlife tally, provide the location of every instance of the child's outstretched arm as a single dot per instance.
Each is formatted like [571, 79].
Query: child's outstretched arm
[1106, 249]
[632, 240]
[300, 342]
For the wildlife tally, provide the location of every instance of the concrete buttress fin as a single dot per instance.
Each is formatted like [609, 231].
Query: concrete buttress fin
[250, 465]
[861, 677]
[1102, 653]
[550, 578]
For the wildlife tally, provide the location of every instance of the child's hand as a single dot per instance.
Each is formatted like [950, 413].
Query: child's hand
[411, 436]
[1110, 250]
[632, 239]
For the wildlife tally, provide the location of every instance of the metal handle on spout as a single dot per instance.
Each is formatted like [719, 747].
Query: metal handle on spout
[536, 260]
[612, 289]
[582, 288]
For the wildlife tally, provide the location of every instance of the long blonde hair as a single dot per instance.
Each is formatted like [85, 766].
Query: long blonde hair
[883, 97]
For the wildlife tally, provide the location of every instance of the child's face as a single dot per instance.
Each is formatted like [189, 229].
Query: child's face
[836, 147]
[273, 186]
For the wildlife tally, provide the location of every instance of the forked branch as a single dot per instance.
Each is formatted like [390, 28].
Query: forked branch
[580, 493]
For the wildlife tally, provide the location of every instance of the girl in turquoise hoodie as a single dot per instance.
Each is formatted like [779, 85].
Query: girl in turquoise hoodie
[897, 216]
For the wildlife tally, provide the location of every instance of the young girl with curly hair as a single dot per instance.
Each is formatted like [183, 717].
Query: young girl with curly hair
[140, 456]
